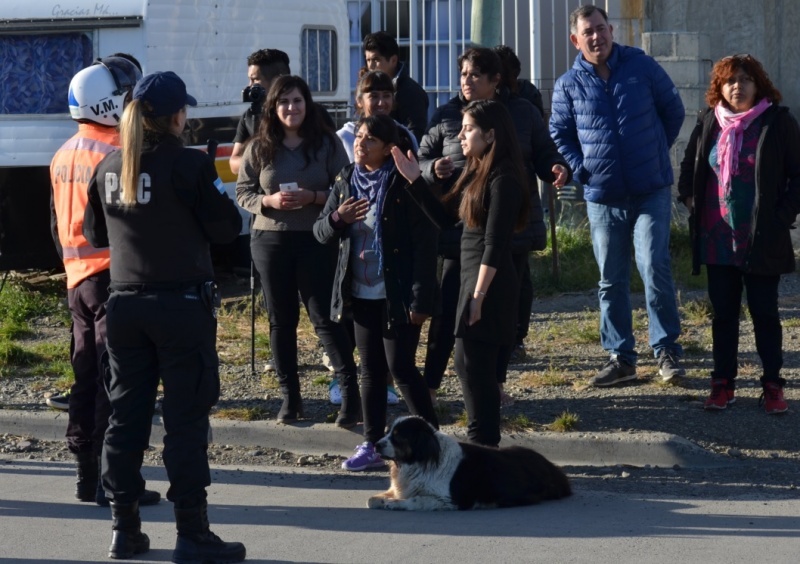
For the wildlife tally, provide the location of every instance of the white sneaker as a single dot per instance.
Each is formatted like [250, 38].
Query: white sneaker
[269, 366]
[326, 362]
[391, 396]
[335, 392]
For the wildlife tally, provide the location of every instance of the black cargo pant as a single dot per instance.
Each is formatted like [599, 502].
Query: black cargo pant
[88, 401]
[166, 336]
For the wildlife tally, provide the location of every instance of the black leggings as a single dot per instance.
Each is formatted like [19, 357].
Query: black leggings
[289, 262]
[725, 286]
[383, 347]
[476, 365]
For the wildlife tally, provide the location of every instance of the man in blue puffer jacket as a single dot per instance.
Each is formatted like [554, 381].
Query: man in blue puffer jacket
[615, 115]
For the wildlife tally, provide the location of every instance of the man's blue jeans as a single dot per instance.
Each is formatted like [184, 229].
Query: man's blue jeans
[647, 219]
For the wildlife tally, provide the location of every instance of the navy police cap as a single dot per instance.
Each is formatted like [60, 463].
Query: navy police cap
[165, 92]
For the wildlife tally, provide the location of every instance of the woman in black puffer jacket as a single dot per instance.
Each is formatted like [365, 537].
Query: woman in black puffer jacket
[442, 160]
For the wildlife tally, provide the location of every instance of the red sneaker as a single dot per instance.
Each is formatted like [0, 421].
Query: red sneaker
[721, 397]
[772, 399]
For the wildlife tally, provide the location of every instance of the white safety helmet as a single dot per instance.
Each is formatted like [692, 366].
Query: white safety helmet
[99, 93]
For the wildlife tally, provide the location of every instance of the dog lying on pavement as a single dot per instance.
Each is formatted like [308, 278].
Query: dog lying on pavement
[431, 471]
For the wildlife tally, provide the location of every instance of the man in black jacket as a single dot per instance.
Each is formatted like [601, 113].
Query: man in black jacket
[262, 67]
[411, 102]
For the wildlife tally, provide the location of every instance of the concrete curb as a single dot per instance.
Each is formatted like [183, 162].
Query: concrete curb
[565, 449]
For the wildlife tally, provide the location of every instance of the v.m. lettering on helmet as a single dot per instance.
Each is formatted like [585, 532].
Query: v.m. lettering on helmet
[98, 93]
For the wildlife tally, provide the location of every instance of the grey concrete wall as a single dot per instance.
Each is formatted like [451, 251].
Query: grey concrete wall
[685, 57]
[766, 29]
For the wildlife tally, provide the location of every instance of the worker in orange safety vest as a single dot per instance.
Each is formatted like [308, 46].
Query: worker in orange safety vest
[97, 95]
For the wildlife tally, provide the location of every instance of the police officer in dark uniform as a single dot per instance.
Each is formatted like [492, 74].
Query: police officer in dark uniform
[159, 206]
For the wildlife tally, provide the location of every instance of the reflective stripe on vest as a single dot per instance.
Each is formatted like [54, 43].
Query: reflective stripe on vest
[87, 144]
[82, 252]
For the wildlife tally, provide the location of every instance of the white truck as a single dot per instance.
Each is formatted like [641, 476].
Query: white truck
[43, 43]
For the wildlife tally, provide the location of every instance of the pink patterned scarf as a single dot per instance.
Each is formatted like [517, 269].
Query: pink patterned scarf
[730, 139]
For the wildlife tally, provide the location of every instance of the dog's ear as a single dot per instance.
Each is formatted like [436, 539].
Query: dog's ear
[423, 444]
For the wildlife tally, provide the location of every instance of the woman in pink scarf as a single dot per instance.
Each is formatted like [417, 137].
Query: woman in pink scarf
[740, 180]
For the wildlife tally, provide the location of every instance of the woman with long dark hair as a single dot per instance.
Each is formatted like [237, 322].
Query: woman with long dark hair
[491, 199]
[442, 161]
[386, 276]
[284, 180]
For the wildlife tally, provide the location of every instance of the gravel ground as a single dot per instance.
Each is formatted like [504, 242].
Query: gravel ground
[764, 451]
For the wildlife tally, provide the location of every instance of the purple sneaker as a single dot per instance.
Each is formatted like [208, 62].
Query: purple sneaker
[364, 459]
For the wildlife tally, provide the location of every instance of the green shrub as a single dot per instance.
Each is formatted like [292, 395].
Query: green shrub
[20, 303]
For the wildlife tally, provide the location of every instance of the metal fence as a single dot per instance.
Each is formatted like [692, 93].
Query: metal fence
[432, 33]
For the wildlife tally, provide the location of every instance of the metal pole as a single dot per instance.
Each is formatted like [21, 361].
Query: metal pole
[252, 317]
[551, 196]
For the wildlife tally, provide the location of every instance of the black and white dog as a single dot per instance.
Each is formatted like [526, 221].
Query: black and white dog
[432, 471]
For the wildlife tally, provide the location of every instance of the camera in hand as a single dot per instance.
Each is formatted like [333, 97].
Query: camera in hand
[255, 94]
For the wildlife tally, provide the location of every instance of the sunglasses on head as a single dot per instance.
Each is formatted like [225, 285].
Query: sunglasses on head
[739, 57]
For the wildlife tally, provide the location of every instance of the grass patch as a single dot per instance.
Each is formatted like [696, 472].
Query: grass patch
[61, 369]
[11, 354]
[516, 423]
[565, 422]
[680, 250]
[20, 302]
[11, 330]
[442, 412]
[67, 378]
[639, 321]
[578, 270]
[693, 347]
[270, 382]
[585, 329]
[322, 381]
[50, 351]
[791, 322]
[749, 369]
[234, 332]
[243, 413]
[549, 378]
[696, 312]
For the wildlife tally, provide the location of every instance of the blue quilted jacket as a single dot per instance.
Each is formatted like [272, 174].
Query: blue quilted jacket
[616, 134]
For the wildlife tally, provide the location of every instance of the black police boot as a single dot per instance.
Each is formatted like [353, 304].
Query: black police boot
[148, 497]
[350, 412]
[127, 538]
[196, 543]
[86, 485]
[292, 407]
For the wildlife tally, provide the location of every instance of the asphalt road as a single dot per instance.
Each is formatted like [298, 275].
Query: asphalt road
[293, 515]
